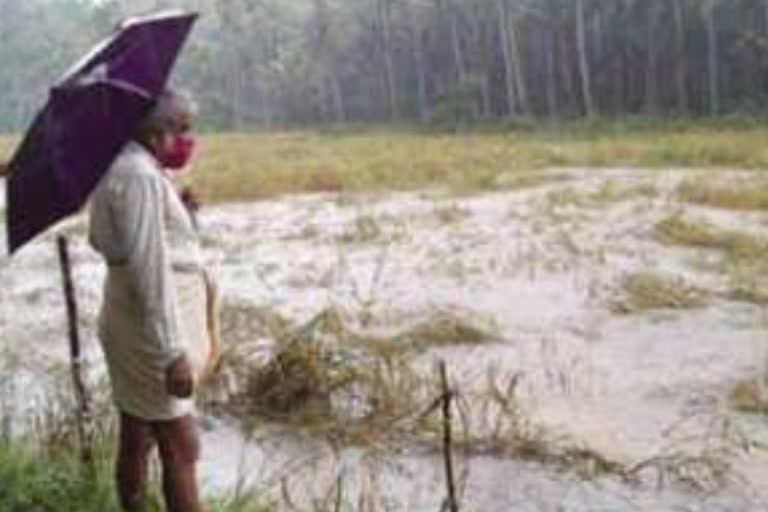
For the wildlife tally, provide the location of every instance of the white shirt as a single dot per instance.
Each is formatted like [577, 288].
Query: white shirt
[143, 231]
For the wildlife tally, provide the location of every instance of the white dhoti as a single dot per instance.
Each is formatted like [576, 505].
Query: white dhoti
[136, 373]
[197, 299]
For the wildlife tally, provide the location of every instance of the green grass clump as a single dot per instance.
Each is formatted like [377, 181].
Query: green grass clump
[676, 230]
[446, 327]
[43, 478]
[744, 253]
[610, 192]
[643, 291]
[528, 179]
[743, 195]
[753, 293]
[40, 481]
[451, 214]
[749, 396]
[613, 191]
[364, 229]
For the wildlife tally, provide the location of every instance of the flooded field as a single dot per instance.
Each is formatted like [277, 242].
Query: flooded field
[595, 324]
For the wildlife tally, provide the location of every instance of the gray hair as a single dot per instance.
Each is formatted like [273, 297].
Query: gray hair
[169, 107]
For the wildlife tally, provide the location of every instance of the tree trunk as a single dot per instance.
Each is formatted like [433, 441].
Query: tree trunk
[712, 55]
[765, 14]
[652, 63]
[517, 63]
[267, 115]
[385, 22]
[485, 93]
[566, 71]
[421, 75]
[479, 60]
[458, 57]
[509, 79]
[551, 71]
[233, 69]
[680, 64]
[339, 109]
[581, 43]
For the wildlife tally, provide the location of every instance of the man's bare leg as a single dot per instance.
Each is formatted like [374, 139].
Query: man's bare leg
[132, 462]
[179, 451]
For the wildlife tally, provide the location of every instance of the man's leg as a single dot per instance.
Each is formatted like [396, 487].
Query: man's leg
[132, 462]
[179, 451]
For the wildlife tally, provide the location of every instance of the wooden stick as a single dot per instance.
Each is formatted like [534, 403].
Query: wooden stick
[453, 505]
[83, 408]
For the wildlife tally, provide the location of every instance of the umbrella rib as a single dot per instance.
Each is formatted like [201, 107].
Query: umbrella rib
[126, 86]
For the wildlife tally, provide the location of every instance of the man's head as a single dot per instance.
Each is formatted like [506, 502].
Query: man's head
[166, 131]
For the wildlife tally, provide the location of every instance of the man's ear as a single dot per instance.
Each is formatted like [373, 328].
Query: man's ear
[155, 141]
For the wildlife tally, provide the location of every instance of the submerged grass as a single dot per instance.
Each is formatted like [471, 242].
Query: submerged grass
[344, 386]
[744, 254]
[610, 191]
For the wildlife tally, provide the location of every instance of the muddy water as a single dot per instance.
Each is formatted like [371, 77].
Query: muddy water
[543, 263]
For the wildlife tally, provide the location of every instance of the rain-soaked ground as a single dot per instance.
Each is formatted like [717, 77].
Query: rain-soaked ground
[545, 263]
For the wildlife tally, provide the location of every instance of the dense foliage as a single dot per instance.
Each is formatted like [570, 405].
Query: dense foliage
[278, 63]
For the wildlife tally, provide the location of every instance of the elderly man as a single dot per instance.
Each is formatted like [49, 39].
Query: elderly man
[152, 322]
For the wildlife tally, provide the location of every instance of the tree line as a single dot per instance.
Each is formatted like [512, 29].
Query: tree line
[282, 63]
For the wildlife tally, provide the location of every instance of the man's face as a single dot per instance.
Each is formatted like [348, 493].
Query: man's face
[167, 141]
[175, 146]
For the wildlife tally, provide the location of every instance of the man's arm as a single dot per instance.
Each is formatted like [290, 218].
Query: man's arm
[3, 169]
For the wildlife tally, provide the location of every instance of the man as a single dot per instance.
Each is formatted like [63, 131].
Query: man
[154, 299]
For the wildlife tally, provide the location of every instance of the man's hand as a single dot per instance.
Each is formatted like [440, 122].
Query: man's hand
[190, 199]
[179, 381]
[3, 169]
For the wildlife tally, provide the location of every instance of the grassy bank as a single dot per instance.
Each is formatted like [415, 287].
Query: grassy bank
[241, 167]
[39, 480]
[236, 166]
[43, 479]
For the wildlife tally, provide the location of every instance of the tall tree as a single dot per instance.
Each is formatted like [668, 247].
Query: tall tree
[278, 63]
[652, 64]
[506, 51]
[681, 87]
[708, 8]
[384, 21]
[584, 68]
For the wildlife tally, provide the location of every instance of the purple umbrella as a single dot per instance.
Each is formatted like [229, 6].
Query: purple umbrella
[90, 115]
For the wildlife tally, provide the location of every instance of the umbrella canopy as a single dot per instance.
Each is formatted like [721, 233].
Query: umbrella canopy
[92, 111]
